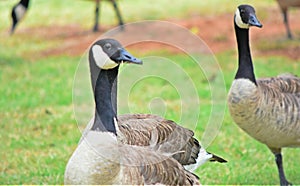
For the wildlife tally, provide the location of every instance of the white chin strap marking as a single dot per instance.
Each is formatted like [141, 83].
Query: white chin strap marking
[101, 58]
[238, 20]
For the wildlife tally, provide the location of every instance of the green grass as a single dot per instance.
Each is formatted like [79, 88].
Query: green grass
[36, 119]
[38, 126]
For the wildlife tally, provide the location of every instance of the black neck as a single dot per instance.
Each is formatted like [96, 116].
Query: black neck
[24, 3]
[105, 94]
[245, 69]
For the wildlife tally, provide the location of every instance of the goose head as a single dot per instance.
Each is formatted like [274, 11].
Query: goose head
[109, 53]
[105, 56]
[245, 17]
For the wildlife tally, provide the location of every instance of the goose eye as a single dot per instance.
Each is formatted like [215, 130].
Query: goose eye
[107, 46]
[242, 12]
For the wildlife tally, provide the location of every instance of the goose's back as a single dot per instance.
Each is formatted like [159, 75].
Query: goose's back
[153, 167]
[165, 135]
[148, 129]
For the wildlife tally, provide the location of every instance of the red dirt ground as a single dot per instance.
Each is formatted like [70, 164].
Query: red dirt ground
[216, 31]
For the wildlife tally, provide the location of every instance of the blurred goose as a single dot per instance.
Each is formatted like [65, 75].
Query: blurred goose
[21, 8]
[284, 5]
[267, 109]
[18, 13]
[100, 157]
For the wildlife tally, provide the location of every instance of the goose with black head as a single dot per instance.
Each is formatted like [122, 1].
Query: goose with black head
[268, 109]
[140, 129]
[101, 158]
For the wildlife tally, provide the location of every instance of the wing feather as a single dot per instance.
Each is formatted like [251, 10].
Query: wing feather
[139, 129]
[154, 168]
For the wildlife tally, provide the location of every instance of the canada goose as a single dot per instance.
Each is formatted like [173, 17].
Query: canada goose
[100, 158]
[20, 9]
[138, 129]
[267, 109]
[18, 13]
[284, 5]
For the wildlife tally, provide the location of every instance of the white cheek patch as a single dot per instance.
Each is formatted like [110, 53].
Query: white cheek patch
[20, 11]
[101, 58]
[238, 20]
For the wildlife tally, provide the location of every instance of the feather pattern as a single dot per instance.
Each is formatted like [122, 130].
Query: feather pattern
[162, 135]
[273, 107]
[140, 129]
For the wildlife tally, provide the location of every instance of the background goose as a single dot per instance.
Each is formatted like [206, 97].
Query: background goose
[99, 157]
[21, 8]
[284, 5]
[267, 109]
[18, 13]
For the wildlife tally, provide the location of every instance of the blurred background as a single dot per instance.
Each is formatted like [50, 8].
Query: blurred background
[38, 64]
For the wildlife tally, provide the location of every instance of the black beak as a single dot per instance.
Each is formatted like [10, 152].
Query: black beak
[127, 57]
[253, 21]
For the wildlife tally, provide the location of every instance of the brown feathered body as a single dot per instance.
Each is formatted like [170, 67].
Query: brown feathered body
[268, 111]
[163, 135]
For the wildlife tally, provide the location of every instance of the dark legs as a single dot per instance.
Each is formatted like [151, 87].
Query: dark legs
[95, 29]
[97, 14]
[121, 24]
[278, 159]
[14, 23]
[286, 23]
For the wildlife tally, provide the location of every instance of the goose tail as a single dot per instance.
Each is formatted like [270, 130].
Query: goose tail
[218, 159]
[202, 158]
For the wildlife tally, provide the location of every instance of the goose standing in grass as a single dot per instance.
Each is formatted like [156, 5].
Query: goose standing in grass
[21, 8]
[284, 5]
[154, 148]
[267, 109]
